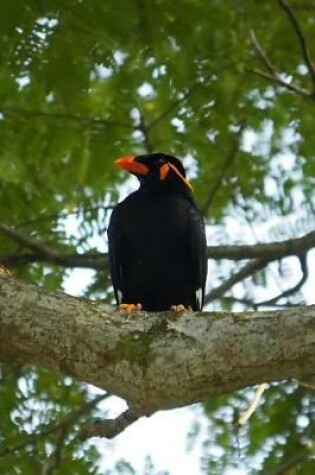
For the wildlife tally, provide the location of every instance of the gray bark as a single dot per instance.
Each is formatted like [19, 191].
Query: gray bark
[154, 361]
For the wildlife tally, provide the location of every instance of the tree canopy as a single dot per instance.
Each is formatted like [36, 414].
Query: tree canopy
[229, 87]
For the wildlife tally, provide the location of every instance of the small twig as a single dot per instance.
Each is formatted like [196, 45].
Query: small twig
[254, 305]
[173, 105]
[243, 418]
[292, 290]
[261, 53]
[277, 79]
[177, 102]
[109, 428]
[272, 74]
[303, 6]
[54, 459]
[306, 385]
[144, 129]
[85, 261]
[302, 40]
[91, 121]
[65, 214]
[284, 468]
[229, 159]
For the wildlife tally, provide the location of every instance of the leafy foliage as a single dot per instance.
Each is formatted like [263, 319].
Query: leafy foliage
[279, 434]
[84, 82]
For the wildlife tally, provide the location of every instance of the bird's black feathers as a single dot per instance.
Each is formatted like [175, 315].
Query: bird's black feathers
[157, 244]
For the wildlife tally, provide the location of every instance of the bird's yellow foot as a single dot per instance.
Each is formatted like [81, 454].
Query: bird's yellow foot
[180, 308]
[130, 307]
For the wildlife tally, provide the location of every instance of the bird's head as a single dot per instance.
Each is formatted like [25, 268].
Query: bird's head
[157, 171]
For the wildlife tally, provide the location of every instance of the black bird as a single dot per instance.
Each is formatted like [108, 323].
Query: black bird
[156, 236]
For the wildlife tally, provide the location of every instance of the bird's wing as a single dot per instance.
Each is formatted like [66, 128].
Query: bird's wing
[198, 253]
[115, 250]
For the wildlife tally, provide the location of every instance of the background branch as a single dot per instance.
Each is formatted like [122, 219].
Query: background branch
[109, 428]
[144, 129]
[96, 122]
[262, 54]
[234, 148]
[281, 82]
[291, 290]
[65, 214]
[43, 253]
[61, 426]
[297, 457]
[246, 271]
[302, 40]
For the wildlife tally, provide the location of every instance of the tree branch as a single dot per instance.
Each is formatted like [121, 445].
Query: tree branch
[307, 385]
[61, 426]
[57, 216]
[281, 82]
[173, 105]
[144, 129]
[153, 360]
[40, 252]
[249, 269]
[295, 459]
[272, 74]
[109, 428]
[43, 253]
[302, 40]
[32, 244]
[253, 305]
[95, 122]
[262, 54]
[272, 250]
[291, 290]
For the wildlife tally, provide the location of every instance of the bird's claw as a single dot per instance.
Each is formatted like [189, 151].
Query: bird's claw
[180, 308]
[130, 307]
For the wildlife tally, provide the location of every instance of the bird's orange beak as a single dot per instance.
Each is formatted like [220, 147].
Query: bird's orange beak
[131, 165]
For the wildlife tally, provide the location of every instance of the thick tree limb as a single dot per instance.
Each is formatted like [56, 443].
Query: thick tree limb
[154, 361]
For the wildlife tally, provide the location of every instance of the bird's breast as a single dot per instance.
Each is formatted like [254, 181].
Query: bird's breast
[154, 231]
